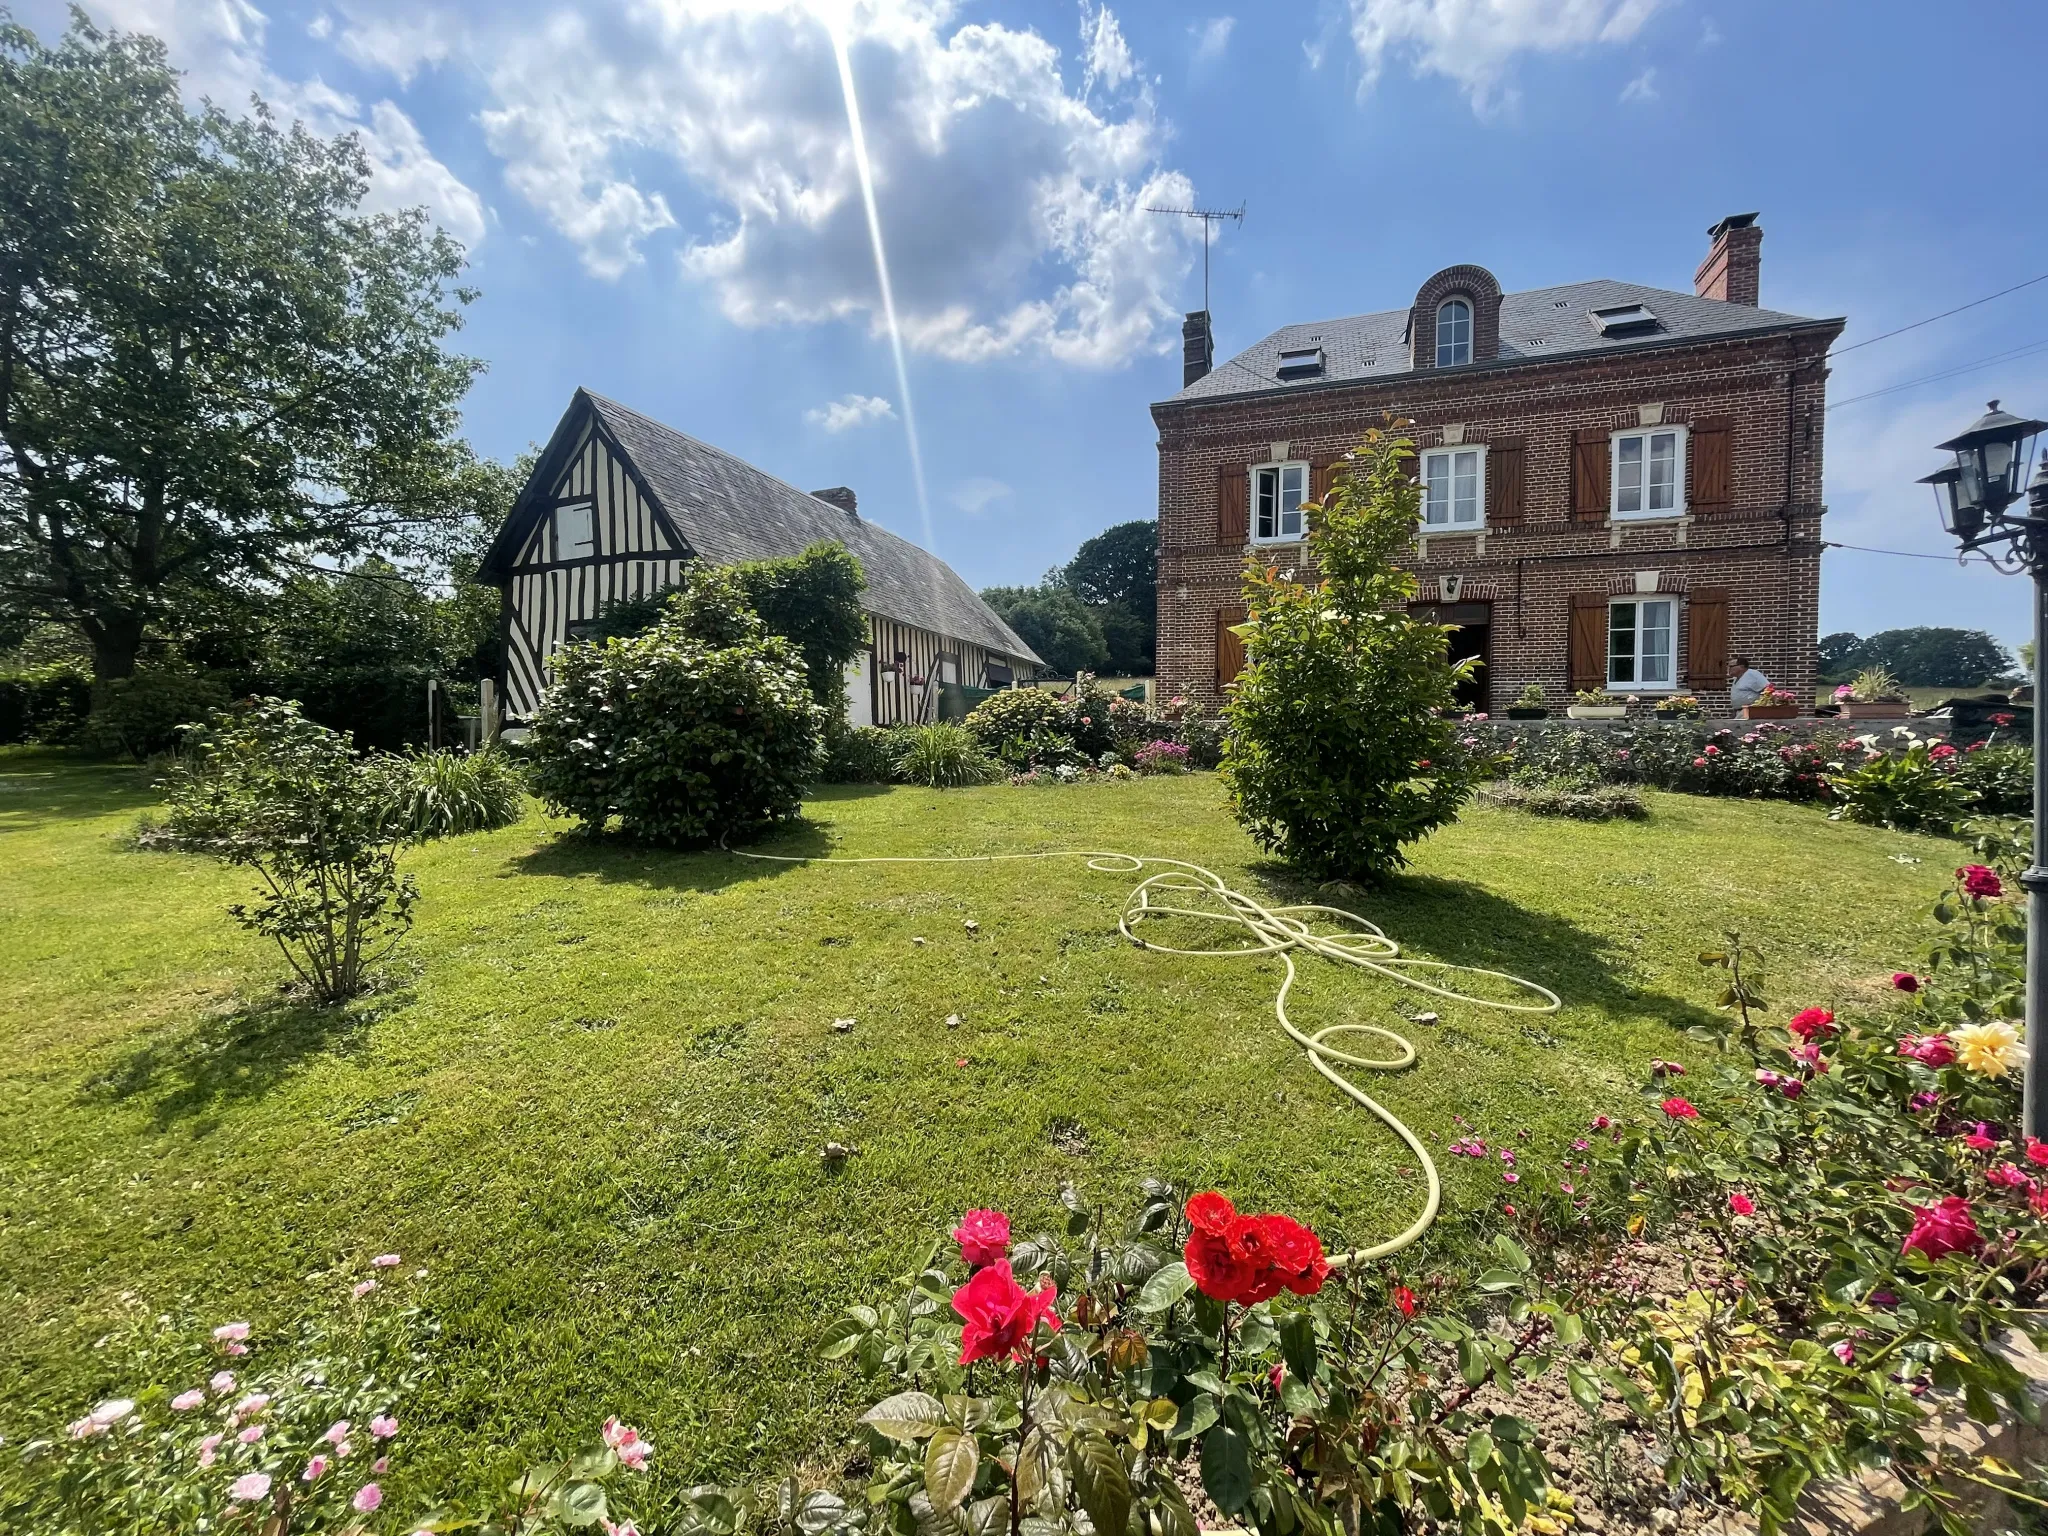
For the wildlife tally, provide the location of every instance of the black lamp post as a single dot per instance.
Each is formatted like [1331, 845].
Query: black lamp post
[1976, 495]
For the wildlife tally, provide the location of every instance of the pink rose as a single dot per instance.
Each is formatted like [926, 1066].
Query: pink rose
[1980, 1139]
[363, 1288]
[1905, 981]
[1740, 1203]
[336, 1432]
[251, 1435]
[1935, 1051]
[1811, 1024]
[984, 1237]
[230, 1333]
[1943, 1228]
[223, 1381]
[208, 1449]
[367, 1498]
[1844, 1352]
[2007, 1176]
[315, 1469]
[385, 1261]
[249, 1487]
[383, 1426]
[1980, 882]
[184, 1402]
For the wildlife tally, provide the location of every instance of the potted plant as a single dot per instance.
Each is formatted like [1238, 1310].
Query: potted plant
[1680, 706]
[1872, 694]
[1592, 704]
[1772, 704]
[1530, 705]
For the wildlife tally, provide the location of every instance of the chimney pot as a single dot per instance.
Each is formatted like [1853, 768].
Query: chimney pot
[1731, 271]
[841, 497]
[1197, 348]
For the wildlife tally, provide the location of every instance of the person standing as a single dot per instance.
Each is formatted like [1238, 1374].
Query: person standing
[1749, 684]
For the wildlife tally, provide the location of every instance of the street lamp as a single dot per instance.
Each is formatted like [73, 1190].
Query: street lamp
[1976, 494]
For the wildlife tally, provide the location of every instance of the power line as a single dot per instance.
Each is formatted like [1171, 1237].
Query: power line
[1886, 336]
[1947, 373]
[1904, 554]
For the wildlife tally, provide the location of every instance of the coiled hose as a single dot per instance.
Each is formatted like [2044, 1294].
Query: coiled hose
[1273, 931]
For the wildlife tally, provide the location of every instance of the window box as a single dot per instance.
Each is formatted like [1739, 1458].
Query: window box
[1516, 712]
[1598, 712]
[1770, 711]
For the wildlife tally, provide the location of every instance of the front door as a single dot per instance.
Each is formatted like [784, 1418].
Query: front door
[1471, 636]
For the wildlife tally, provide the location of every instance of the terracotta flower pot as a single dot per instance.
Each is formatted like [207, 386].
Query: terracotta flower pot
[1770, 711]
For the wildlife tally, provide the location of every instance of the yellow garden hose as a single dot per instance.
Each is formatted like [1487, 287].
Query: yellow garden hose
[1273, 931]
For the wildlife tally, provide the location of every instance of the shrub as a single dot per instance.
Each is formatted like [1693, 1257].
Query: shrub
[1161, 757]
[145, 714]
[1025, 728]
[267, 789]
[944, 757]
[703, 727]
[1338, 735]
[46, 703]
[443, 794]
[1202, 735]
[860, 754]
[1910, 790]
[1577, 801]
[1998, 776]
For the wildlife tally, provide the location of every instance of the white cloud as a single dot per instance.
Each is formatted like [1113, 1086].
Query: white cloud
[1643, 89]
[850, 411]
[1011, 199]
[398, 44]
[220, 46]
[974, 496]
[1710, 35]
[1475, 42]
[1211, 37]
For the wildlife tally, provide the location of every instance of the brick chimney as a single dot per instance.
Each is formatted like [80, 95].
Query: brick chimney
[1730, 271]
[1197, 348]
[841, 497]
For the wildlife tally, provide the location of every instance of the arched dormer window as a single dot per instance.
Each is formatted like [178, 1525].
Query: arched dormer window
[1453, 333]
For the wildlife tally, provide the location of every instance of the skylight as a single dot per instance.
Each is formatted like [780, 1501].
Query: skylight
[1300, 362]
[1624, 320]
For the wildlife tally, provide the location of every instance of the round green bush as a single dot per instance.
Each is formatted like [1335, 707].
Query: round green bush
[1025, 728]
[701, 728]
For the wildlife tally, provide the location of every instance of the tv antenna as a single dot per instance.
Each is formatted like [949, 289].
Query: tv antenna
[1209, 218]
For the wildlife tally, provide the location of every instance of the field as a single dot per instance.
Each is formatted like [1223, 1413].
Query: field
[592, 1099]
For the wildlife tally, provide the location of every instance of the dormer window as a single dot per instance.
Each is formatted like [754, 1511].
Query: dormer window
[575, 532]
[1301, 362]
[1453, 333]
[1625, 320]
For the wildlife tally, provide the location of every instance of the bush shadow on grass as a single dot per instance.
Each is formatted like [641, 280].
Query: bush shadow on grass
[575, 855]
[239, 1053]
[41, 785]
[1435, 918]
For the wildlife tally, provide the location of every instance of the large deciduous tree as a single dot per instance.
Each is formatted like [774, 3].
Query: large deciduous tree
[1117, 574]
[1066, 632]
[214, 367]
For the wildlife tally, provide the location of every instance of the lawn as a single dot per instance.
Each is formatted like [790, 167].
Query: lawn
[592, 1099]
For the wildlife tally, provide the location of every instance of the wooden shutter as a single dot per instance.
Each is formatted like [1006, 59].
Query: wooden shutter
[1229, 645]
[1504, 493]
[1706, 639]
[1233, 504]
[1323, 480]
[1589, 640]
[1589, 474]
[1708, 464]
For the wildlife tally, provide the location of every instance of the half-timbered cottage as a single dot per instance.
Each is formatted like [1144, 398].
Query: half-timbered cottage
[619, 504]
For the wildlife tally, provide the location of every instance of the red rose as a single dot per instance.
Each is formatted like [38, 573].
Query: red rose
[1740, 1203]
[1791, 1087]
[983, 1236]
[1942, 753]
[1980, 1139]
[1214, 1268]
[2037, 1152]
[1811, 1024]
[1251, 1245]
[1297, 1254]
[1979, 881]
[1943, 1228]
[1905, 981]
[2006, 1176]
[998, 1316]
[1210, 1212]
[1680, 1109]
[1405, 1300]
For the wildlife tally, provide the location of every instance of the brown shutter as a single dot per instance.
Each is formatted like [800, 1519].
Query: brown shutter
[1706, 640]
[1708, 464]
[1229, 645]
[1504, 493]
[1589, 640]
[1233, 504]
[1589, 474]
[1323, 480]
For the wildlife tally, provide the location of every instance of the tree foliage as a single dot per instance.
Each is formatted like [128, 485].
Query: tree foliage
[1341, 750]
[1925, 656]
[1066, 632]
[701, 727]
[1117, 574]
[214, 368]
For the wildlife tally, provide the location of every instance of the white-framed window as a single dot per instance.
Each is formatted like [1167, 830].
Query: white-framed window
[1453, 333]
[1649, 472]
[1453, 488]
[1642, 644]
[575, 531]
[1278, 491]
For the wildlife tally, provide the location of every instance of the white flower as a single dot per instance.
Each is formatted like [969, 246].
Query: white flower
[1902, 730]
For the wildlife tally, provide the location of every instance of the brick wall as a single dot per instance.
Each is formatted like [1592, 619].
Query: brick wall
[1762, 548]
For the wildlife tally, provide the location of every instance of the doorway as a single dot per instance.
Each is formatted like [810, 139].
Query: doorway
[1471, 637]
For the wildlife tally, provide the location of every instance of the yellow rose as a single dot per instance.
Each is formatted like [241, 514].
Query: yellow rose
[1990, 1050]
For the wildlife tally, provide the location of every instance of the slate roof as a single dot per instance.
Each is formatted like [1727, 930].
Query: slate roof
[728, 511]
[1536, 326]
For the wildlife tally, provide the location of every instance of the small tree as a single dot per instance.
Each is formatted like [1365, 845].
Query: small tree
[272, 791]
[1340, 748]
[701, 727]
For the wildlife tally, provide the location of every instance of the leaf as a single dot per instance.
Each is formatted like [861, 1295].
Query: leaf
[1472, 1362]
[1167, 1285]
[579, 1504]
[989, 1517]
[1585, 1387]
[1298, 1344]
[1100, 1481]
[1511, 1253]
[1197, 1415]
[950, 1463]
[906, 1416]
[820, 1512]
[1226, 1469]
[843, 1337]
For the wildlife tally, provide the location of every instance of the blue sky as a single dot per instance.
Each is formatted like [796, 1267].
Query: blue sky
[661, 203]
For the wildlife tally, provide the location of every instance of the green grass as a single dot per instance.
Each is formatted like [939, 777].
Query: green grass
[592, 1100]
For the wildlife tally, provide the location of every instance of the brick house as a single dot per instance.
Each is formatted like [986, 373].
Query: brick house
[1621, 485]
